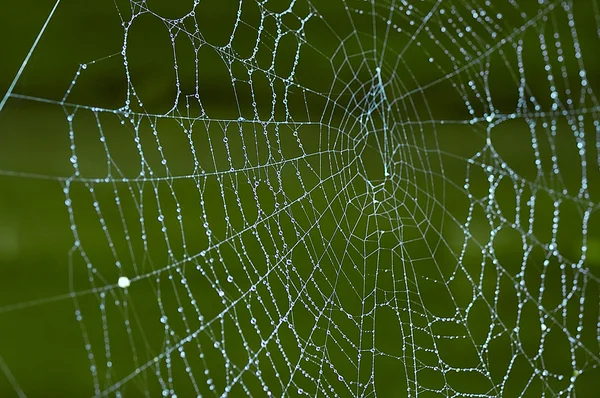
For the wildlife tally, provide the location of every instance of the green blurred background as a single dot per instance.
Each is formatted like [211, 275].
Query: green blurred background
[269, 199]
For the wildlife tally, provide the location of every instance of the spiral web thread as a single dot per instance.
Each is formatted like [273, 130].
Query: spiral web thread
[347, 238]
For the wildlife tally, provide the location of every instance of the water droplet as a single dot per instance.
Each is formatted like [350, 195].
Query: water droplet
[123, 282]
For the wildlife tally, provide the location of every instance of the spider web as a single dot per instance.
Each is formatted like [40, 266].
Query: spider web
[357, 198]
